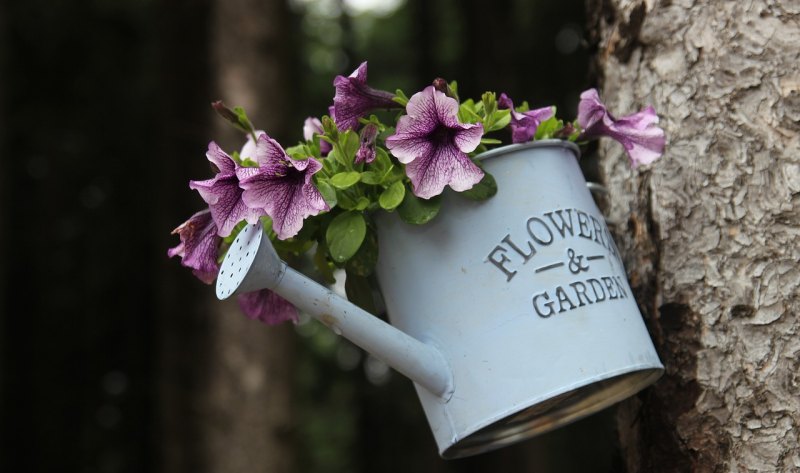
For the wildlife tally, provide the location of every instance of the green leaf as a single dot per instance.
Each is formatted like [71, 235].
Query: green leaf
[486, 188]
[344, 235]
[418, 211]
[249, 163]
[297, 246]
[394, 173]
[548, 128]
[454, 87]
[328, 192]
[345, 180]
[235, 232]
[236, 117]
[382, 160]
[323, 265]
[393, 196]
[500, 119]
[370, 177]
[296, 149]
[400, 97]
[350, 145]
[468, 113]
[244, 122]
[359, 291]
[329, 129]
[489, 100]
[363, 262]
[346, 200]
[362, 203]
[490, 141]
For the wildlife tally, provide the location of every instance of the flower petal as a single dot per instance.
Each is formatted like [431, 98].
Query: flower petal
[199, 246]
[224, 197]
[468, 137]
[270, 154]
[524, 124]
[311, 126]
[288, 197]
[354, 98]
[407, 147]
[249, 149]
[268, 307]
[224, 163]
[642, 139]
[446, 165]
[590, 109]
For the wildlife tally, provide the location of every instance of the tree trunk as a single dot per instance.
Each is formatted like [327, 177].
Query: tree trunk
[227, 380]
[250, 378]
[710, 232]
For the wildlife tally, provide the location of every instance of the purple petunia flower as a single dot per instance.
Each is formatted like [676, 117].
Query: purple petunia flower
[281, 187]
[223, 194]
[366, 150]
[267, 307]
[524, 124]
[310, 127]
[433, 144]
[249, 149]
[354, 98]
[199, 245]
[638, 133]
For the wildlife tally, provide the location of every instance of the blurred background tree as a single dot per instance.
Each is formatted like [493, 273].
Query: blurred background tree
[114, 358]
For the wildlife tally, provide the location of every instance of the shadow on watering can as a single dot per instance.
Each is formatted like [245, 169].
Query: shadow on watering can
[512, 316]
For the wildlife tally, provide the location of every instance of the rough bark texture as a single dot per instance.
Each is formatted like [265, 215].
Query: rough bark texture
[711, 231]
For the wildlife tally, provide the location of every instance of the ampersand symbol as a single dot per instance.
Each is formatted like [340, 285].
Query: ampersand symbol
[576, 264]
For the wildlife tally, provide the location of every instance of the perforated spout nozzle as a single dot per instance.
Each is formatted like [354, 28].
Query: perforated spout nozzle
[250, 265]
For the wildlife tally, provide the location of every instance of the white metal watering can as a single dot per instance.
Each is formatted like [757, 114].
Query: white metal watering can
[512, 316]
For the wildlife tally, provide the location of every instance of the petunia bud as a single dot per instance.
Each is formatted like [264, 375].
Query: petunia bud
[236, 117]
[366, 151]
[442, 86]
[565, 132]
[225, 112]
[354, 99]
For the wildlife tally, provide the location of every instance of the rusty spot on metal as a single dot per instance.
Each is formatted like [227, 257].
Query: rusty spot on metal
[328, 320]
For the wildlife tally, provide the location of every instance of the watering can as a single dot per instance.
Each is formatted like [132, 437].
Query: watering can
[512, 316]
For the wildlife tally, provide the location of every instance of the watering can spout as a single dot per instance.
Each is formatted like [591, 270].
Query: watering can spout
[252, 264]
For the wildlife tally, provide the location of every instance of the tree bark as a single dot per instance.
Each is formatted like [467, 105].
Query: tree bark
[710, 232]
[226, 381]
[249, 418]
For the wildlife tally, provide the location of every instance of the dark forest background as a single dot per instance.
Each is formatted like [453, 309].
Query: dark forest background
[114, 358]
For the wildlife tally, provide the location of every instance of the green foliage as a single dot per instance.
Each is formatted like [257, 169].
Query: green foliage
[345, 234]
[484, 112]
[236, 117]
[418, 211]
[483, 190]
[400, 97]
[363, 262]
[392, 196]
[359, 291]
[301, 152]
[328, 192]
[345, 180]
[548, 128]
[344, 237]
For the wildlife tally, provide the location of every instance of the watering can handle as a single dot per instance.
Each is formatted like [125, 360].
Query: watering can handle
[252, 264]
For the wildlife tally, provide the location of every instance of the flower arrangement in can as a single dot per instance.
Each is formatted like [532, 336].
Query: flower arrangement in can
[319, 196]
